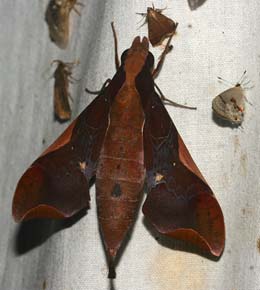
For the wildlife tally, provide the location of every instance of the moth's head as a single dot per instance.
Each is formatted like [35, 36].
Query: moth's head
[137, 56]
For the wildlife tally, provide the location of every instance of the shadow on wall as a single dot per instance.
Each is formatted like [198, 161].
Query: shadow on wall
[224, 123]
[33, 233]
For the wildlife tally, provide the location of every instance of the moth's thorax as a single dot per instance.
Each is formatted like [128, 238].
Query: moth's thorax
[151, 12]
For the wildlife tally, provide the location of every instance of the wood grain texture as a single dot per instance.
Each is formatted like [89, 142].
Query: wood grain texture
[223, 40]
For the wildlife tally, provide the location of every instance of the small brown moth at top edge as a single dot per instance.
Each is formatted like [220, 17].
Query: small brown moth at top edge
[230, 104]
[57, 18]
[62, 77]
[159, 26]
[194, 4]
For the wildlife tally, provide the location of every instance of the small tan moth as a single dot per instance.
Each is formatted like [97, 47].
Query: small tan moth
[57, 17]
[230, 104]
[62, 77]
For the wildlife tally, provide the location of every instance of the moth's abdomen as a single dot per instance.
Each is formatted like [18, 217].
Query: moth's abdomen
[120, 173]
[117, 203]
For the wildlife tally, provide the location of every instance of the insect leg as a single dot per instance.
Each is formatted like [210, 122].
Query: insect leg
[106, 83]
[162, 57]
[170, 102]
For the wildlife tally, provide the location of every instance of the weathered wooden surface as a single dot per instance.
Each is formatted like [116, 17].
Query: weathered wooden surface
[221, 38]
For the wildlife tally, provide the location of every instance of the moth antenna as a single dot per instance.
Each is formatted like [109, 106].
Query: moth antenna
[246, 83]
[242, 78]
[144, 17]
[116, 46]
[228, 82]
[76, 10]
[239, 83]
[56, 61]
[142, 14]
[72, 64]
[111, 269]
[161, 10]
[248, 88]
[47, 73]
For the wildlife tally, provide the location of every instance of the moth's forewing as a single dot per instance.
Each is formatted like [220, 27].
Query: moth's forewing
[56, 184]
[180, 204]
[159, 26]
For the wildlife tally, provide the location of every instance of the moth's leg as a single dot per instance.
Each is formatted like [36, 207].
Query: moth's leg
[106, 83]
[170, 102]
[80, 4]
[116, 46]
[56, 61]
[70, 66]
[70, 97]
[167, 49]
[75, 9]
[72, 79]
[144, 17]
[161, 10]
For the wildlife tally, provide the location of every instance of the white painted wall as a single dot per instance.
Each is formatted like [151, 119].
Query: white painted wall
[223, 41]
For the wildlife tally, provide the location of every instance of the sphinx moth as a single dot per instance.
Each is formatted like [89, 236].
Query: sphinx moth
[126, 139]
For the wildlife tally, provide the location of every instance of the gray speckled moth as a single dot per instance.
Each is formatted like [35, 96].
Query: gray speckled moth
[230, 104]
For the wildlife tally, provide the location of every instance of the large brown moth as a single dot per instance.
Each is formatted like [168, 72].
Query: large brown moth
[126, 139]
